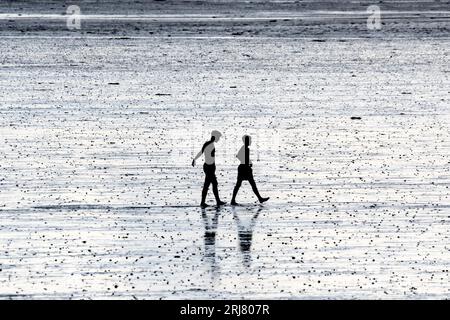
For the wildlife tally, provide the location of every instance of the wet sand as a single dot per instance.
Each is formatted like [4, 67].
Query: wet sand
[237, 19]
[98, 129]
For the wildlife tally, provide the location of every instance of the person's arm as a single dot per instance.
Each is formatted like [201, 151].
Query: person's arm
[199, 154]
[196, 157]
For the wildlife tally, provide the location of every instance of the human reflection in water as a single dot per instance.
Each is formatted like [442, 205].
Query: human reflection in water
[245, 234]
[210, 239]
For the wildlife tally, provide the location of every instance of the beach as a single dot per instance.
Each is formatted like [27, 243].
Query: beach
[351, 142]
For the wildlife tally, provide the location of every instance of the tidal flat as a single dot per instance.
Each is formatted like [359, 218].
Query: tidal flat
[351, 140]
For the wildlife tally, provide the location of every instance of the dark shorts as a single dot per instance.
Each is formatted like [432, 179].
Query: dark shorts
[245, 172]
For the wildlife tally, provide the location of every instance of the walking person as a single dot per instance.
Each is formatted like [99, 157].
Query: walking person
[245, 171]
[209, 167]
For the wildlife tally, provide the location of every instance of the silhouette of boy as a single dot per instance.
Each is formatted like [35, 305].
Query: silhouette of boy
[245, 171]
[209, 167]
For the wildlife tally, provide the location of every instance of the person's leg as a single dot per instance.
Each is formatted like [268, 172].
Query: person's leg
[255, 190]
[205, 191]
[211, 174]
[236, 189]
[216, 191]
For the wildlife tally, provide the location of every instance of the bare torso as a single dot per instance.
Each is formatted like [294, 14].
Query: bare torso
[241, 155]
[209, 152]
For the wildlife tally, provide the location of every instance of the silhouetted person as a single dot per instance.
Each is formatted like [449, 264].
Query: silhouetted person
[245, 171]
[209, 167]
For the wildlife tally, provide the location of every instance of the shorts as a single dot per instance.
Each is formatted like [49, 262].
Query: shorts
[245, 172]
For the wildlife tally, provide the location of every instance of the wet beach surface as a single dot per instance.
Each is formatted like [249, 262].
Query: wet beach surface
[172, 18]
[351, 136]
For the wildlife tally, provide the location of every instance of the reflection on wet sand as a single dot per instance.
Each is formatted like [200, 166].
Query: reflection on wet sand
[210, 239]
[245, 233]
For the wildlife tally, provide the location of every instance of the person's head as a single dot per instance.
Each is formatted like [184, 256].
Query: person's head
[215, 135]
[247, 140]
